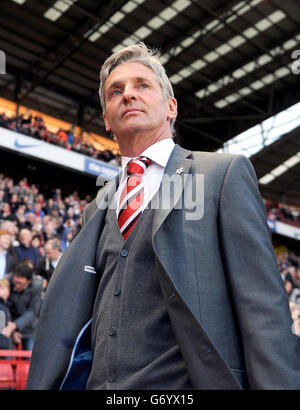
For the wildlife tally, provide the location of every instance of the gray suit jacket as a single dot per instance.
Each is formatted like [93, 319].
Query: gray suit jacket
[218, 275]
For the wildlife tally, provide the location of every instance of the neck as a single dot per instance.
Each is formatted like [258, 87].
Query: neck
[134, 144]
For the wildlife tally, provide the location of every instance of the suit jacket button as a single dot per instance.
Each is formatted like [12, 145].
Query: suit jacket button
[124, 252]
[111, 377]
[112, 331]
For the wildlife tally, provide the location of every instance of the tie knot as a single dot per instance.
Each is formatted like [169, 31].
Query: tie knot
[138, 166]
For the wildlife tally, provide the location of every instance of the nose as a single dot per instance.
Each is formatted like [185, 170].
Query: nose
[129, 94]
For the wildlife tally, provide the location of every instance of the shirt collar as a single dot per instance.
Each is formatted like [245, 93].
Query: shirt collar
[159, 152]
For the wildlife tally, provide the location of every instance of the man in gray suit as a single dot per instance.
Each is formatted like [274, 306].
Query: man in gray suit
[172, 282]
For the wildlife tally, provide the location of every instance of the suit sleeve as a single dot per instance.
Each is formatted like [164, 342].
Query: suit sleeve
[271, 350]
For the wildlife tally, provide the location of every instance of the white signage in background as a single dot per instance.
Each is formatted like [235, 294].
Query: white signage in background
[95, 167]
[52, 153]
[284, 229]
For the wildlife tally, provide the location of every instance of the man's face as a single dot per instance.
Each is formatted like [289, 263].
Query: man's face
[51, 254]
[25, 237]
[5, 241]
[4, 292]
[49, 228]
[20, 283]
[30, 217]
[134, 101]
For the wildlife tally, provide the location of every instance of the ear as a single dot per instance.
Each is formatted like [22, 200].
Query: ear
[172, 108]
[107, 126]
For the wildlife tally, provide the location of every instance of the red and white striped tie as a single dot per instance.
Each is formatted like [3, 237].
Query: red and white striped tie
[132, 196]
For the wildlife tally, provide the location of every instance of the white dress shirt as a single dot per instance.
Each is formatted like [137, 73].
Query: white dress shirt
[159, 153]
[54, 263]
[2, 264]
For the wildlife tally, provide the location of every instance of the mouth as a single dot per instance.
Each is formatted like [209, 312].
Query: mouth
[131, 111]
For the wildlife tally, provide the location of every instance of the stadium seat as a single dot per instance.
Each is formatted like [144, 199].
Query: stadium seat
[14, 367]
[7, 377]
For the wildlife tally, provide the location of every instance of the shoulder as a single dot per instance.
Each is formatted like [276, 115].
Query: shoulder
[212, 161]
[42, 262]
[9, 257]
[89, 211]
[219, 163]
[217, 158]
[225, 171]
[36, 284]
[2, 305]
[36, 252]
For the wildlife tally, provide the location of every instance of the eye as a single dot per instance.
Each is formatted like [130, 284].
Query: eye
[143, 85]
[116, 92]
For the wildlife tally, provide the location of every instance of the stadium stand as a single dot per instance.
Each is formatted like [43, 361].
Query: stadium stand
[283, 212]
[35, 127]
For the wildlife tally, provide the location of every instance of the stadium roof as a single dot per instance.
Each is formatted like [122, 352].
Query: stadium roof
[278, 168]
[233, 63]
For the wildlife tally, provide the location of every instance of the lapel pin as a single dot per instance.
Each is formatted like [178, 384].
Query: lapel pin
[179, 171]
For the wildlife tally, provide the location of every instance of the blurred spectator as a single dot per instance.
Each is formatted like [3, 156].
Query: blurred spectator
[295, 311]
[62, 137]
[5, 210]
[289, 266]
[24, 304]
[5, 341]
[293, 292]
[288, 274]
[26, 118]
[29, 219]
[297, 277]
[37, 244]
[116, 161]
[70, 138]
[13, 232]
[67, 238]
[49, 230]
[25, 250]
[59, 228]
[37, 210]
[50, 206]
[48, 263]
[7, 261]
[283, 213]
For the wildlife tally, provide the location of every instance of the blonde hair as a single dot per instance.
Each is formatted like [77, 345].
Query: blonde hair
[4, 283]
[139, 53]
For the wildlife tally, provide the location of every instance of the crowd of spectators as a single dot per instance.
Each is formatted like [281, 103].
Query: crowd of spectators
[289, 267]
[284, 213]
[34, 231]
[35, 127]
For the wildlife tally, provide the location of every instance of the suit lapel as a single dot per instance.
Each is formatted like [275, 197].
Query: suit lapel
[178, 165]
